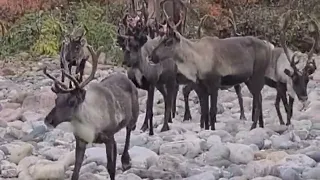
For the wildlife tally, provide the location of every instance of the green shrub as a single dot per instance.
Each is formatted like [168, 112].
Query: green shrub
[100, 31]
[49, 37]
[40, 33]
[21, 36]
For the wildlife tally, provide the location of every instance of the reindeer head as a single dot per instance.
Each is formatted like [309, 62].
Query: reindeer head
[131, 40]
[69, 99]
[170, 41]
[74, 43]
[311, 66]
[299, 78]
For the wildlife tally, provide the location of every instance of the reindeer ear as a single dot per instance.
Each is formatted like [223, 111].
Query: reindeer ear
[53, 89]
[288, 72]
[176, 36]
[72, 101]
[67, 38]
[311, 77]
[77, 97]
[83, 41]
[81, 95]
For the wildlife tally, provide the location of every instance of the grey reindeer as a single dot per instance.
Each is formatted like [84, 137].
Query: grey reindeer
[212, 63]
[147, 76]
[72, 53]
[96, 113]
[163, 75]
[190, 86]
[284, 75]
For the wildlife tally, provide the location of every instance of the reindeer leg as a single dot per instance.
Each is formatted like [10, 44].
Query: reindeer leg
[80, 150]
[164, 91]
[170, 86]
[149, 111]
[62, 67]
[281, 92]
[290, 106]
[213, 106]
[255, 89]
[111, 151]
[125, 158]
[186, 91]
[204, 105]
[69, 67]
[261, 124]
[277, 105]
[174, 100]
[255, 110]
[239, 94]
[80, 69]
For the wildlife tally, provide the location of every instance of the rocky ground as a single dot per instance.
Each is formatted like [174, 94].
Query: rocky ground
[29, 151]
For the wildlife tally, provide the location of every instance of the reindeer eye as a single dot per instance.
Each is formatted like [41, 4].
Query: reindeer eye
[168, 42]
[72, 102]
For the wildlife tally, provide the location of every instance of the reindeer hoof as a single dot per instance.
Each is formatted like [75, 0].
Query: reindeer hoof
[242, 117]
[170, 121]
[288, 123]
[144, 127]
[126, 166]
[201, 125]
[187, 117]
[151, 133]
[253, 126]
[173, 115]
[165, 127]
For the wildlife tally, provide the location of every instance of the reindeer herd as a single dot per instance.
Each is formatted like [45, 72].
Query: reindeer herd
[157, 55]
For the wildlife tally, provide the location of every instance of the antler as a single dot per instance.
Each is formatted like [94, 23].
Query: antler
[205, 17]
[144, 13]
[315, 43]
[121, 34]
[3, 28]
[78, 32]
[95, 56]
[62, 87]
[283, 40]
[229, 17]
[169, 22]
[233, 23]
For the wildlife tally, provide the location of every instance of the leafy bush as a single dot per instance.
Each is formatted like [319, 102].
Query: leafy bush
[49, 37]
[20, 37]
[100, 31]
[39, 33]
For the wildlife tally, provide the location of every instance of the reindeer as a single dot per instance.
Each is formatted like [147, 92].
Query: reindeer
[96, 113]
[72, 53]
[212, 62]
[190, 86]
[150, 77]
[284, 75]
[150, 12]
[147, 76]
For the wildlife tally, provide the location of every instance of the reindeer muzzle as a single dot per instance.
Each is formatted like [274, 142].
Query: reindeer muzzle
[304, 101]
[49, 123]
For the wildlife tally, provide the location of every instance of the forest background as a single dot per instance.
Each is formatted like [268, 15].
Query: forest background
[34, 27]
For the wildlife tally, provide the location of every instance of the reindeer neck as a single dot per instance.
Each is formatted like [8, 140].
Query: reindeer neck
[143, 64]
[186, 44]
[149, 70]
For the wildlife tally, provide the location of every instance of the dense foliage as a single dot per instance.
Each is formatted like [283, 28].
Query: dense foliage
[40, 32]
[38, 28]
